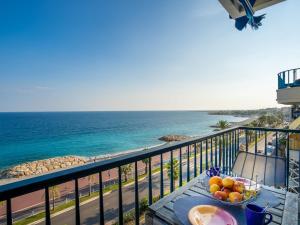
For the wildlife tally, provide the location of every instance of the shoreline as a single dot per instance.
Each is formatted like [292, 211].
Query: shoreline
[117, 154]
[86, 159]
[89, 159]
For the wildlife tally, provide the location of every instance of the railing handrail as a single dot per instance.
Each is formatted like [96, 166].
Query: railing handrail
[284, 71]
[29, 185]
[270, 129]
[284, 80]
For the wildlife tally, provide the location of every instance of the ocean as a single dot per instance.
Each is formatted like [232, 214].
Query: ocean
[40, 135]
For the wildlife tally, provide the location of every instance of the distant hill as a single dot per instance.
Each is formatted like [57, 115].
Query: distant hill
[286, 111]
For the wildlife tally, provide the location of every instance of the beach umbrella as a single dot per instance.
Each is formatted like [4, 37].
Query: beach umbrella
[242, 11]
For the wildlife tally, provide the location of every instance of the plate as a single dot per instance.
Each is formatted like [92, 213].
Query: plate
[210, 215]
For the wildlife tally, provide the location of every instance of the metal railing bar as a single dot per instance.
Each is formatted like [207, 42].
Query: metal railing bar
[9, 220]
[246, 139]
[120, 200]
[211, 153]
[47, 206]
[220, 150]
[230, 150]
[77, 203]
[266, 160]
[149, 183]
[195, 160]
[172, 172]
[266, 146]
[136, 191]
[223, 153]
[238, 140]
[237, 133]
[255, 144]
[206, 154]
[216, 151]
[188, 164]
[180, 167]
[233, 146]
[101, 204]
[277, 143]
[227, 153]
[288, 160]
[201, 153]
[161, 176]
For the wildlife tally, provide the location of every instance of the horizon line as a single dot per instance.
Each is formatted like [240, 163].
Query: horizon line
[150, 110]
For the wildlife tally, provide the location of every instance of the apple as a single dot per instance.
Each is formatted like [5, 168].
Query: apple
[213, 188]
[227, 191]
[221, 195]
[228, 182]
[215, 180]
[238, 187]
[235, 197]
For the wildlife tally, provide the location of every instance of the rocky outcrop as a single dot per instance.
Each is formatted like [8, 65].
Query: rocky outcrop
[41, 166]
[170, 138]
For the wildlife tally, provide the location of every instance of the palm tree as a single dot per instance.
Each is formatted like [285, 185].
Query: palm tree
[250, 135]
[223, 124]
[175, 169]
[126, 169]
[146, 162]
[262, 120]
[280, 117]
[91, 180]
[255, 123]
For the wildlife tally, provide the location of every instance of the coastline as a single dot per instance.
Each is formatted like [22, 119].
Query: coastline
[90, 159]
[109, 176]
[244, 122]
[83, 160]
[117, 154]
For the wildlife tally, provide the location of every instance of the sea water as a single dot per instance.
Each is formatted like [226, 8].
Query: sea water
[40, 135]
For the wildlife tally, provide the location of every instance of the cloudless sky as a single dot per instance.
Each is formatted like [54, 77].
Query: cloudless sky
[141, 55]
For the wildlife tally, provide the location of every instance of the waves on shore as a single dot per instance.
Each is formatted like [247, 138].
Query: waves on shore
[39, 167]
[114, 155]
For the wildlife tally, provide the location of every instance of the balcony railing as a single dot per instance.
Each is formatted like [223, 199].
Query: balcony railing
[289, 78]
[194, 157]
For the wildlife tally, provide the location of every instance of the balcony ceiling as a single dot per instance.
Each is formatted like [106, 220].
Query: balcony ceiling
[289, 96]
[236, 10]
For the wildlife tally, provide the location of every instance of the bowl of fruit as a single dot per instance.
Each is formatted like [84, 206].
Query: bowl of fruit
[230, 190]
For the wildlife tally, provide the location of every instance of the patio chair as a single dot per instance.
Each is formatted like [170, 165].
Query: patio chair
[270, 170]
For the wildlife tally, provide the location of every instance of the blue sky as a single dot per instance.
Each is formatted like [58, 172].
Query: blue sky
[141, 55]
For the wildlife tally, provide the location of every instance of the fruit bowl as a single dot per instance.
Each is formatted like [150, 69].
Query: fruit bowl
[231, 190]
[242, 202]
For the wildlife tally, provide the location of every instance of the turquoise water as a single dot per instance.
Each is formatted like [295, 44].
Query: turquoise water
[32, 136]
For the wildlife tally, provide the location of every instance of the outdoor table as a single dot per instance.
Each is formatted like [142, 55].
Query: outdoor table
[162, 211]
